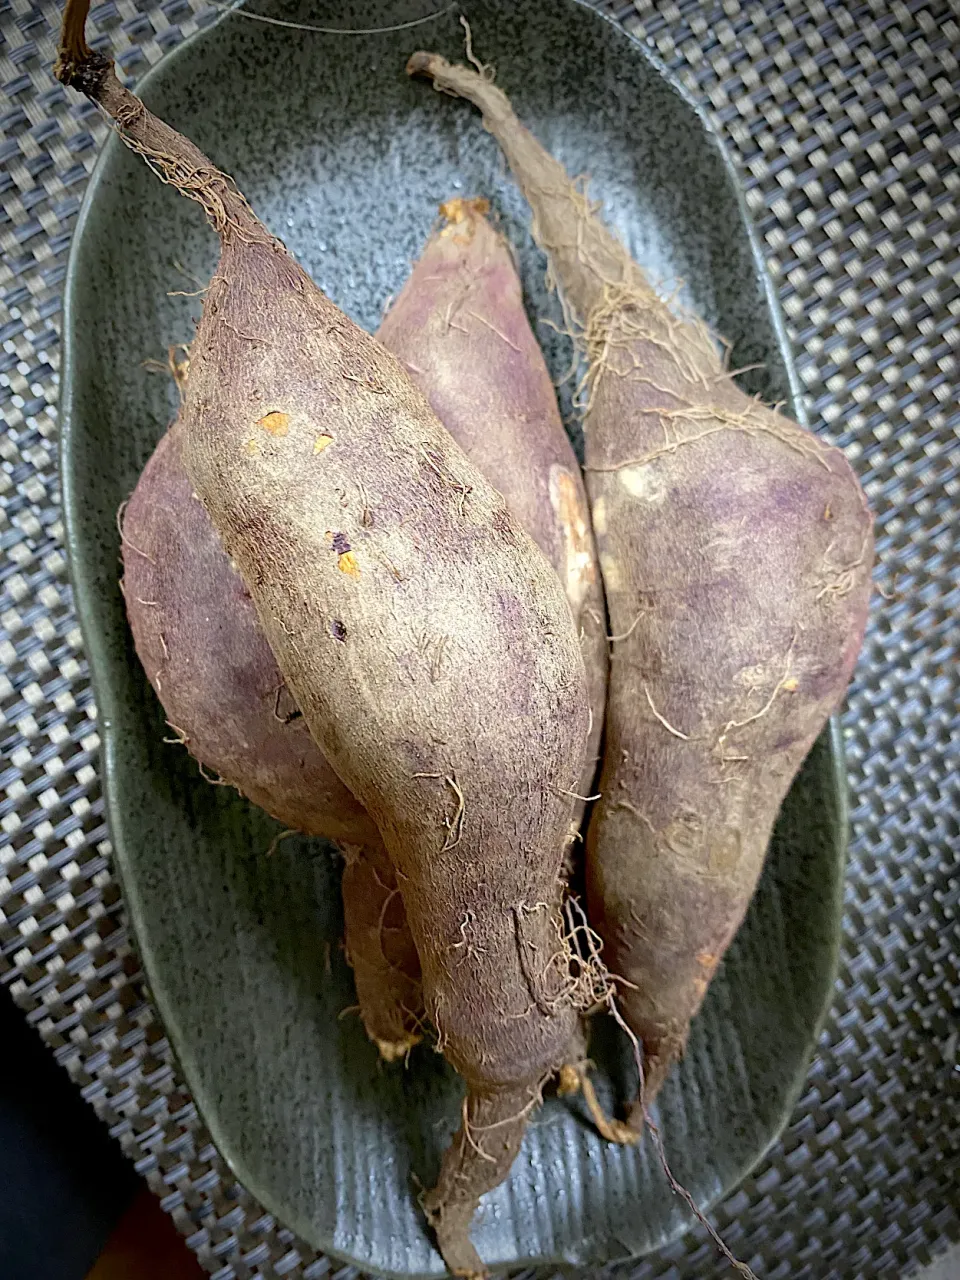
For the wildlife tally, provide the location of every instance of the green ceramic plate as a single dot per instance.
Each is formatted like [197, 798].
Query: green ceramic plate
[347, 159]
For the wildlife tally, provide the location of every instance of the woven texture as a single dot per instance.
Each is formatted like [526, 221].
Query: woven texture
[843, 121]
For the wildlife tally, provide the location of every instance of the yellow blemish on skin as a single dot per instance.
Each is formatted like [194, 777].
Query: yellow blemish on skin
[643, 482]
[321, 443]
[600, 516]
[610, 568]
[347, 563]
[707, 959]
[461, 216]
[572, 517]
[791, 684]
[251, 448]
[278, 424]
[459, 210]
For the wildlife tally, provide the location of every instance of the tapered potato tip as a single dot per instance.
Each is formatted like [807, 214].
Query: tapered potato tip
[421, 63]
[454, 77]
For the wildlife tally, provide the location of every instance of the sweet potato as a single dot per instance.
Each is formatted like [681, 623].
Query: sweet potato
[736, 550]
[359, 528]
[461, 330]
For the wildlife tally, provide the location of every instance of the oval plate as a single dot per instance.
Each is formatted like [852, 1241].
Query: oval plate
[347, 159]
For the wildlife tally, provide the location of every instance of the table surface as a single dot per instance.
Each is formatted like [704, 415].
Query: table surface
[842, 119]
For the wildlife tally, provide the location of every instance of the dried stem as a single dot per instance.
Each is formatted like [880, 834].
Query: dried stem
[173, 158]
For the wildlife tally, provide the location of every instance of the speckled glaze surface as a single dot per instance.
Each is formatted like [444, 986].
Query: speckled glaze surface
[347, 159]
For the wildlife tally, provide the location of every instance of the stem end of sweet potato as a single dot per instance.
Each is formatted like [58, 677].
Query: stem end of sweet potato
[77, 65]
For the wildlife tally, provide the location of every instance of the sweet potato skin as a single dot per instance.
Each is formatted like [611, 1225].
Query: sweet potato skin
[224, 685]
[363, 557]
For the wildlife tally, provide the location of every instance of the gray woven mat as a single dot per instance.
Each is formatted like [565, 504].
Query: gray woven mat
[843, 118]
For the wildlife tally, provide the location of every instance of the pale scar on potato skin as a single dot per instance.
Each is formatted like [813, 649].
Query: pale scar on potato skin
[577, 543]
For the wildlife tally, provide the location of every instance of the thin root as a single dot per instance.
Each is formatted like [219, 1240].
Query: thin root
[625, 635]
[493, 328]
[124, 539]
[783, 683]
[574, 795]
[657, 1137]
[275, 842]
[684, 737]
[181, 738]
[215, 780]
[453, 825]
[463, 490]
[485, 70]
[608, 1127]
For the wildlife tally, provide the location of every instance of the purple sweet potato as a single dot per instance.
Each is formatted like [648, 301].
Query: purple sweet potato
[461, 310]
[367, 540]
[736, 552]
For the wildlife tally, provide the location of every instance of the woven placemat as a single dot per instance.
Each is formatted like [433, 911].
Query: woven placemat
[843, 121]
